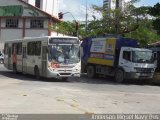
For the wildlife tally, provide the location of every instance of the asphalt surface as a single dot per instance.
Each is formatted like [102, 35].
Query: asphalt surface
[24, 94]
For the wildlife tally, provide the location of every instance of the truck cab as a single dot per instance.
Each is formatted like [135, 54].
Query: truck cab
[135, 63]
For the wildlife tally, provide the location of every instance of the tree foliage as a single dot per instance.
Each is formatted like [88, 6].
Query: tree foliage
[116, 21]
[66, 28]
[130, 21]
[144, 34]
[155, 11]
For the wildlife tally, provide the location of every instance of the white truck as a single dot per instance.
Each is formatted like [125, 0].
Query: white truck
[118, 57]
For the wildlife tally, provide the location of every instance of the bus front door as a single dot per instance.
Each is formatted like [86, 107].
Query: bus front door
[10, 66]
[24, 64]
[44, 61]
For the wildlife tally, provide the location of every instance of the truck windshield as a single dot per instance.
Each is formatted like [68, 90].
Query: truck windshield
[64, 53]
[143, 57]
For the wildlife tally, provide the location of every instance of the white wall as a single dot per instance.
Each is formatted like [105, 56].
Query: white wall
[36, 33]
[10, 34]
[32, 2]
[49, 6]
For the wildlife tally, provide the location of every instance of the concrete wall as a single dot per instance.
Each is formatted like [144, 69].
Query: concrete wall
[32, 2]
[36, 33]
[10, 34]
[50, 6]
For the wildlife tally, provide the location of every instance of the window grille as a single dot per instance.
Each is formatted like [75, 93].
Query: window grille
[12, 23]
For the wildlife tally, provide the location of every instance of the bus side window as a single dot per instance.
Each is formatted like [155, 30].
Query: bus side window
[38, 48]
[31, 48]
[14, 48]
[19, 49]
[24, 52]
[6, 49]
[44, 52]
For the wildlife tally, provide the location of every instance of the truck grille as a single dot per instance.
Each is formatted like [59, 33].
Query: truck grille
[144, 70]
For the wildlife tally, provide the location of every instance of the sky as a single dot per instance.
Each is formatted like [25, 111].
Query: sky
[78, 8]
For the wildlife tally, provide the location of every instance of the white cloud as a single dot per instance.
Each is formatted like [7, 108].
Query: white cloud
[77, 9]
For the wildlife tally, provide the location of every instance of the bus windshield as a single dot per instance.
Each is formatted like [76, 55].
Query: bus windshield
[64, 53]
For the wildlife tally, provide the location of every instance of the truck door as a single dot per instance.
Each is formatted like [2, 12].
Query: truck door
[125, 60]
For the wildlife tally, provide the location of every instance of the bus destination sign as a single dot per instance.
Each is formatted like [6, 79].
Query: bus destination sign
[63, 41]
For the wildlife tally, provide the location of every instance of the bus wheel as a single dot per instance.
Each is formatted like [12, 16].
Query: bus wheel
[1, 61]
[36, 73]
[14, 68]
[90, 71]
[119, 76]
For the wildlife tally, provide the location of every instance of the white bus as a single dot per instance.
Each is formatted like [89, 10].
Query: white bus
[51, 57]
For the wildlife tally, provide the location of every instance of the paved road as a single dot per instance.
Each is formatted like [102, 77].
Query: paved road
[23, 94]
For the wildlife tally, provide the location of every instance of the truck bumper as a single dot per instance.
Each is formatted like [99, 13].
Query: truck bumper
[134, 75]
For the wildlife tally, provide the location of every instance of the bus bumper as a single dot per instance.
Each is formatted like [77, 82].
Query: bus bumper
[57, 74]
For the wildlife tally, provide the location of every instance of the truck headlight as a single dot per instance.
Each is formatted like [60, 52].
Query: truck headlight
[75, 70]
[153, 70]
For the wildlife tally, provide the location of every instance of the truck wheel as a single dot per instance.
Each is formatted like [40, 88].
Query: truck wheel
[15, 68]
[90, 71]
[36, 73]
[119, 76]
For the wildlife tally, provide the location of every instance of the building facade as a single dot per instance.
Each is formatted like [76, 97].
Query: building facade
[18, 19]
[112, 4]
[109, 4]
[49, 6]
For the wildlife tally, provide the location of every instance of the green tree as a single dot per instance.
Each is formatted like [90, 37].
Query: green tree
[144, 34]
[131, 22]
[116, 21]
[66, 28]
[155, 11]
